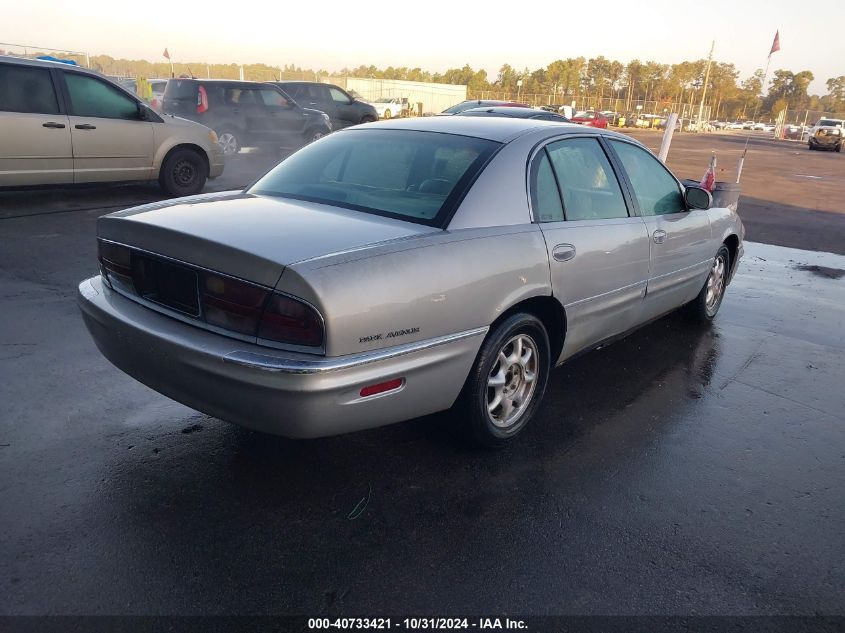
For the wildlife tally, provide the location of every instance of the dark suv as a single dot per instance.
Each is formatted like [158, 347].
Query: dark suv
[244, 113]
[343, 109]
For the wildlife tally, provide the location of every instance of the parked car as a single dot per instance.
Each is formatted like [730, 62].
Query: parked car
[245, 113]
[792, 131]
[826, 122]
[612, 117]
[342, 108]
[759, 127]
[590, 118]
[748, 125]
[157, 86]
[516, 113]
[391, 271]
[826, 134]
[63, 124]
[478, 103]
[389, 107]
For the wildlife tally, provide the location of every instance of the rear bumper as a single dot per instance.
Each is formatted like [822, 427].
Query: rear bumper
[283, 393]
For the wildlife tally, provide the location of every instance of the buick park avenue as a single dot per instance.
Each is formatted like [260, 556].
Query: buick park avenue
[397, 269]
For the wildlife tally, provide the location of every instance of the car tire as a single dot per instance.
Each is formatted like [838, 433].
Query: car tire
[314, 134]
[387, 114]
[183, 173]
[705, 306]
[229, 140]
[838, 148]
[367, 119]
[502, 374]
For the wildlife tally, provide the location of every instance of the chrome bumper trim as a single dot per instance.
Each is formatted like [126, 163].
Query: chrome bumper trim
[322, 365]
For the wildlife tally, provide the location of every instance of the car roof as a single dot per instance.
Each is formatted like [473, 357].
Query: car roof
[45, 63]
[492, 128]
[514, 112]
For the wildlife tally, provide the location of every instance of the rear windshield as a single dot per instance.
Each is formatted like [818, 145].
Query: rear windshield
[460, 107]
[181, 89]
[829, 122]
[410, 175]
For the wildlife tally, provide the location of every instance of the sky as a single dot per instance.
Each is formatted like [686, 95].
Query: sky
[437, 34]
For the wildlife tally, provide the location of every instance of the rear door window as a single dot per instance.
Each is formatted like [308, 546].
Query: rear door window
[92, 97]
[27, 89]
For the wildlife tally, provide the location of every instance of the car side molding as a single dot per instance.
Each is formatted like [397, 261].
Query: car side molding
[321, 365]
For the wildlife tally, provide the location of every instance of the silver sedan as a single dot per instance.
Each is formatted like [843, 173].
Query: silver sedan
[397, 269]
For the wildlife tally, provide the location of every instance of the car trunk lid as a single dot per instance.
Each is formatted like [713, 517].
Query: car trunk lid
[248, 236]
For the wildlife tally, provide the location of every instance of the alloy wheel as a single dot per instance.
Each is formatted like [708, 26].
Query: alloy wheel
[512, 381]
[228, 143]
[715, 284]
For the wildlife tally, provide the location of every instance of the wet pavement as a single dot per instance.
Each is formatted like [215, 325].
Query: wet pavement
[679, 471]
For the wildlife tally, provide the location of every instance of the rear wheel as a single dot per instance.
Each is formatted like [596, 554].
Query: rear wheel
[507, 382]
[183, 173]
[838, 148]
[705, 306]
[387, 114]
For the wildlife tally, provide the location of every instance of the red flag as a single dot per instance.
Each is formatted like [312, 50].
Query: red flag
[776, 43]
[167, 55]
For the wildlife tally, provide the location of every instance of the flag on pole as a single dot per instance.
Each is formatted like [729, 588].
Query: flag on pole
[776, 43]
[167, 55]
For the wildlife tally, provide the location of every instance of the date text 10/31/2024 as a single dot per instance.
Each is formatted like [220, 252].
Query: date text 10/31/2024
[417, 624]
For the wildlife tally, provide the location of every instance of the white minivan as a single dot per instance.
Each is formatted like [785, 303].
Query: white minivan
[62, 124]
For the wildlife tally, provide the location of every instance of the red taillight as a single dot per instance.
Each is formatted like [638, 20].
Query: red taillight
[222, 302]
[231, 304]
[382, 387]
[287, 320]
[202, 100]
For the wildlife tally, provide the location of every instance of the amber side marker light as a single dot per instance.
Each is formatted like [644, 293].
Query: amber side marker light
[382, 387]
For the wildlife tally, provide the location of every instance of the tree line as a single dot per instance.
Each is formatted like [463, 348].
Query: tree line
[585, 81]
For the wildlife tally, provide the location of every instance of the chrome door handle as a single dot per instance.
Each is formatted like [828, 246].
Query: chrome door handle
[659, 236]
[53, 124]
[85, 126]
[563, 252]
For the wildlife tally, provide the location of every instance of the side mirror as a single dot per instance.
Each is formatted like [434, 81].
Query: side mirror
[698, 198]
[142, 111]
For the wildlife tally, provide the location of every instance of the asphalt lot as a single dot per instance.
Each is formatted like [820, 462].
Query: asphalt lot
[790, 195]
[679, 471]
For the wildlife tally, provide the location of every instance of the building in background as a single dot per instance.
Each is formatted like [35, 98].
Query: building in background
[434, 97]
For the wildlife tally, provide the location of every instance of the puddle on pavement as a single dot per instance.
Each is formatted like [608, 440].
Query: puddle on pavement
[822, 271]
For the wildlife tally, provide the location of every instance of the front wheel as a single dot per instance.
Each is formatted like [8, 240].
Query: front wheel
[313, 135]
[838, 148]
[183, 173]
[705, 306]
[367, 119]
[229, 141]
[387, 114]
[507, 382]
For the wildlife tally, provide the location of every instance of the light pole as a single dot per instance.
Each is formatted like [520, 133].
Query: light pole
[704, 89]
